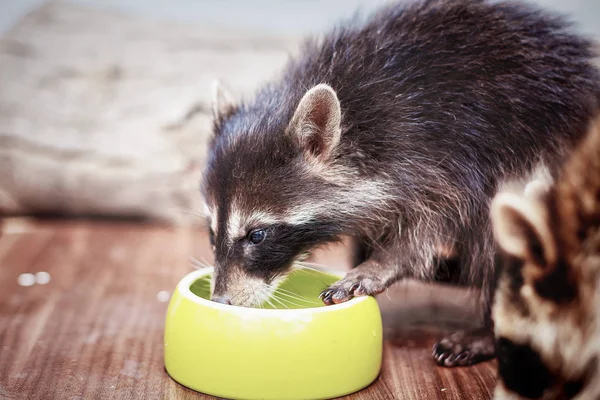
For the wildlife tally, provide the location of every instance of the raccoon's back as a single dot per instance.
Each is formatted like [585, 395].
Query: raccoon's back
[485, 83]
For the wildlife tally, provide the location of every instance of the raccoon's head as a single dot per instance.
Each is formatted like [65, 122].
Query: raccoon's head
[545, 308]
[267, 195]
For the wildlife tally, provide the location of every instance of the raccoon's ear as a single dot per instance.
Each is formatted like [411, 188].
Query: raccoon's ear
[521, 230]
[315, 125]
[223, 104]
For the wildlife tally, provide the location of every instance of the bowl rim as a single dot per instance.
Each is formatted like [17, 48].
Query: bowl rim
[184, 285]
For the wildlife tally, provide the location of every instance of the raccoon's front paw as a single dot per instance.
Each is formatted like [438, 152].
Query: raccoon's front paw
[353, 284]
[464, 348]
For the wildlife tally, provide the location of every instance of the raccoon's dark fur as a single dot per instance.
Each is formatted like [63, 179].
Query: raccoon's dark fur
[547, 306]
[396, 132]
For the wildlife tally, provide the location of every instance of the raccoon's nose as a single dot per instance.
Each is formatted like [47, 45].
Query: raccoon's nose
[223, 299]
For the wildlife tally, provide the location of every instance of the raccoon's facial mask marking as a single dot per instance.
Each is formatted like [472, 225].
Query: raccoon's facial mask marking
[522, 229]
[241, 225]
[241, 277]
[211, 218]
[257, 236]
[255, 263]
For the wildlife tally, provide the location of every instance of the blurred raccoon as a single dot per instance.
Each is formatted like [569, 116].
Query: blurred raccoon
[547, 305]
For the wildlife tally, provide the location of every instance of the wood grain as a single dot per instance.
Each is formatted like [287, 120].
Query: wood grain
[95, 330]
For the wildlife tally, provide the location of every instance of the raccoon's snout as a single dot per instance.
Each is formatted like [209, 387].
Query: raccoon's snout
[236, 286]
[223, 299]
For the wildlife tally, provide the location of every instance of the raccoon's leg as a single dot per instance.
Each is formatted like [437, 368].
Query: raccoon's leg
[372, 276]
[380, 268]
[380, 265]
[464, 348]
[368, 278]
[468, 347]
[472, 346]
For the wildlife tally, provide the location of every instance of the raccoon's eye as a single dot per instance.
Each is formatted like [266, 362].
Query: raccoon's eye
[211, 236]
[256, 236]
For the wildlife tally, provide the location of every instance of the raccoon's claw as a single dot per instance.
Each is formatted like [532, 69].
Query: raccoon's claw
[464, 348]
[448, 359]
[348, 288]
[325, 296]
[331, 296]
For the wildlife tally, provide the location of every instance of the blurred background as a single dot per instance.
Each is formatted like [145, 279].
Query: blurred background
[105, 104]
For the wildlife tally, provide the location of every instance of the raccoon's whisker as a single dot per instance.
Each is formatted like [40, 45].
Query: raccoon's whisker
[293, 296]
[282, 290]
[285, 290]
[262, 295]
[299, 265]
[281, 300]
[278, 300]
[290, 301]
[276, 289]
[271, 294]
[258, 296]
[193, 218]
[313, 265]
[199, 264]
[202, 218]
[307, 268]
[266, 298]
[287, 297]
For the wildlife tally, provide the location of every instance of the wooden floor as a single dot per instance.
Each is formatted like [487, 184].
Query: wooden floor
[95, 330]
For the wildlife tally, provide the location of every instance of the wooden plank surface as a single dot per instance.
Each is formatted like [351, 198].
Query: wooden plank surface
[96, 329]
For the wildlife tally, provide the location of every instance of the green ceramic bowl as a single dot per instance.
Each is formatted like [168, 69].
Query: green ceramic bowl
[302, 350]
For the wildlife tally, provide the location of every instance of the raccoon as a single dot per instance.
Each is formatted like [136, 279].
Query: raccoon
[547, 305]
[394, 131]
